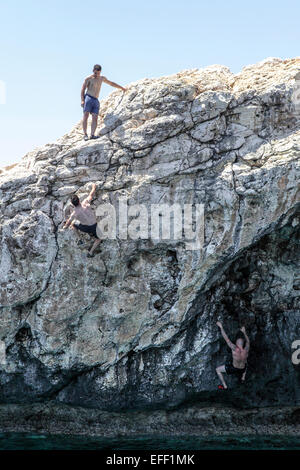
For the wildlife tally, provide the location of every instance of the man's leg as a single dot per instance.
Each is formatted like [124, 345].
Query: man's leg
[94, 124]
[219, 371]
[96, 243]
[84, 121]
[75, 230]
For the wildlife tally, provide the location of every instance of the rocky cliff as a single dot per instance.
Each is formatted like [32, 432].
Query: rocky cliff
[135, 326]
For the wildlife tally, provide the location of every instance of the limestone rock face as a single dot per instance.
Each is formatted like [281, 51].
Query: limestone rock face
[135, 326]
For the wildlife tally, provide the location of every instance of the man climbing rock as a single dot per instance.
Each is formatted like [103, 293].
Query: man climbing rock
[85, 215]
[240, 350]
[89, 98]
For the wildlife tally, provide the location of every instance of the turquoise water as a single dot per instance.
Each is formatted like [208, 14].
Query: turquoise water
[24, 441]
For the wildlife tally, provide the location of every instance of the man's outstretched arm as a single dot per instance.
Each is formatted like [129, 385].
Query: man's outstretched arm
[68, 222]
[230, 344]
[91, 195]
[243, 330]
[113, 84]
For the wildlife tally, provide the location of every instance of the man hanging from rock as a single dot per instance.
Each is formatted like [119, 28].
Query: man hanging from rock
[89, 98]
[238, 364]
[85, 215]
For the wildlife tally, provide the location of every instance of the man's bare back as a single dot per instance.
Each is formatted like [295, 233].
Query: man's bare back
[239, 357]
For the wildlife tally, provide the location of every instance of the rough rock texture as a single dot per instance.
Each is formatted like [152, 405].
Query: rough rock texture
[186, 420]
[135, 326]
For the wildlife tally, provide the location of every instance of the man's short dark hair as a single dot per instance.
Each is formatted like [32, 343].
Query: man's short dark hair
[97, 67]
[75, 200]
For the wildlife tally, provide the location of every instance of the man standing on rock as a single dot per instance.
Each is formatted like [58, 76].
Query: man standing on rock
[89, 98]
[240, 350]
[85, 215]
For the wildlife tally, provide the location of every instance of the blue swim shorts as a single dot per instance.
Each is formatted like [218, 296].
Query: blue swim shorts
[91, 104]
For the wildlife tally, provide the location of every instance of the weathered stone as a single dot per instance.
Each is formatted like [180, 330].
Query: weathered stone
[135, 326]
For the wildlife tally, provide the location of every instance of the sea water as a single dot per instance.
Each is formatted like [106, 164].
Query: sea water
[26, 441]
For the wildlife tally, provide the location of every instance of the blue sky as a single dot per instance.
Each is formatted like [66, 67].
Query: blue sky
[47, 48]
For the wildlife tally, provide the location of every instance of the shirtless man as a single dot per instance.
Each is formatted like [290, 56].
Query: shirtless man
[89, 98]
[240, 351]
[85, 215]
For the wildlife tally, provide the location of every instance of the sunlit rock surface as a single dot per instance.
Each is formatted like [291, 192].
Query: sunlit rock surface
[135, 326]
